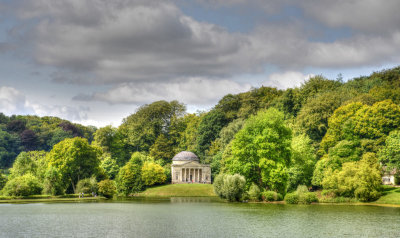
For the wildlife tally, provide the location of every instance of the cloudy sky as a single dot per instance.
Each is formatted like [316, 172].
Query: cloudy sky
[95, 61]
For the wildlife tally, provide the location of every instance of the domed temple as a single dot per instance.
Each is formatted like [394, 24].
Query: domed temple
[186, 168]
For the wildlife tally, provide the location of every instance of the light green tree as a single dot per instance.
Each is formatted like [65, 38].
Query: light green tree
[75, 159]
[153, 173]
[261, 151]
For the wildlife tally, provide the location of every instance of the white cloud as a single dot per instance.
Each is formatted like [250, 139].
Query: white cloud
[197, 91]
[15, 102]
[286, 80]
[12, 101]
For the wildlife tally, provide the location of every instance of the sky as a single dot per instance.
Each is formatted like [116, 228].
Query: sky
[95, 62]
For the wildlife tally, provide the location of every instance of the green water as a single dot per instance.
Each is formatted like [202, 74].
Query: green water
[188, 217]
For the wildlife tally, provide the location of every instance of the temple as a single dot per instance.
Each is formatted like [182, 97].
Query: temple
[186, 168]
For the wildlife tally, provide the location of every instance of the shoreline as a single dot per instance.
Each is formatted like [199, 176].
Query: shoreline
[103, 199]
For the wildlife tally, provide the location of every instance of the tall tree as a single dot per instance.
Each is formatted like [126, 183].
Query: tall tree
[75, 159]
[261, 151]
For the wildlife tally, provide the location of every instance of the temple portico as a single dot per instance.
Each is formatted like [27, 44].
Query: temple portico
[186, 168]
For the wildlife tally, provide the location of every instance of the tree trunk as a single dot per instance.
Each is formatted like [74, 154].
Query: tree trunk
[73, 186]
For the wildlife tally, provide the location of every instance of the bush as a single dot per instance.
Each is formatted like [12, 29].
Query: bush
[230, 187]
[107, 188]
[308, 198]
[254, 192]
[23, 186]
[269, 196]
[365, 195]
[292, 198]
[88, 185]
[301, 189]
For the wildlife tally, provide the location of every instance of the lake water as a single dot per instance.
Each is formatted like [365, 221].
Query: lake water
[195, 217]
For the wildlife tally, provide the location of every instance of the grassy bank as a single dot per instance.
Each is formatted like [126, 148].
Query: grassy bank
[179, 190]
[390, 195]
[47, 198]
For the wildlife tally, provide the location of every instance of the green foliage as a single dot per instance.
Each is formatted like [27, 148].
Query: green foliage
[3, 181]
[129, 178]
[308, 198]
[27, 162]
[261, 151]
[107, 188]
[389, 155]
[209, 127]
[74, 159]
[110, 166]
[230, 187]
[254, 192]
[313, 116]
[53, 182]
[271, 196]
[361, 179]
[112, 142]
[142, 128]
[292, 198]
[153, 173]
[302, 162]
[24, 185]
[87, 186]
[163, 150]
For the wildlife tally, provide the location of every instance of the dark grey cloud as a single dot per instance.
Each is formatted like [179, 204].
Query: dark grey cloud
[140, 47]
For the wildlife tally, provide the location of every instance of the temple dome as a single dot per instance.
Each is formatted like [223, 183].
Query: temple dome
[185, 156]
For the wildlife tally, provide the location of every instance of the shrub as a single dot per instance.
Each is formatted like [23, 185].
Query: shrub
[270, 196]
[364, 195]
[107, 188]
[23, 186]
[308, 198]
[301, 189]
[230, 187]
[254, 192]
[88, 185]
[292, 198]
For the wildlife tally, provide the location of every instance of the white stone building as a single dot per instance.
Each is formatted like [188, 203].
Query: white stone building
[186, 168]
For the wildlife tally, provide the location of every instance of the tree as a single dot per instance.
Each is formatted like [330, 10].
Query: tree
[27, 162]
[3, 181]
[302, 162]
[389, 155]
[110, 166]
[129, 178]
[143, 127]
[261, 151]
[153, 173]
[29, 140]
[9, 148]
[163, 150]
[24, 185]
[231, 187]
[87, 185]
[209, 128]
[360, 179]
[16, 126]
[313, 116]
[53, 182]
[75, 159]
[107, 188]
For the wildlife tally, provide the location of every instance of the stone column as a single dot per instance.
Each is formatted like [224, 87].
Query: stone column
[198, 175]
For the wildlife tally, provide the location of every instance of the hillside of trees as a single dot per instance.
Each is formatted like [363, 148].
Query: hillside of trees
[326, 134]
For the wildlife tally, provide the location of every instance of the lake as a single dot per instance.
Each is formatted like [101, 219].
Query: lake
[195, 217]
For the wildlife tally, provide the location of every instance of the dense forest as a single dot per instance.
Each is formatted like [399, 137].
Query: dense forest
[326, 134]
